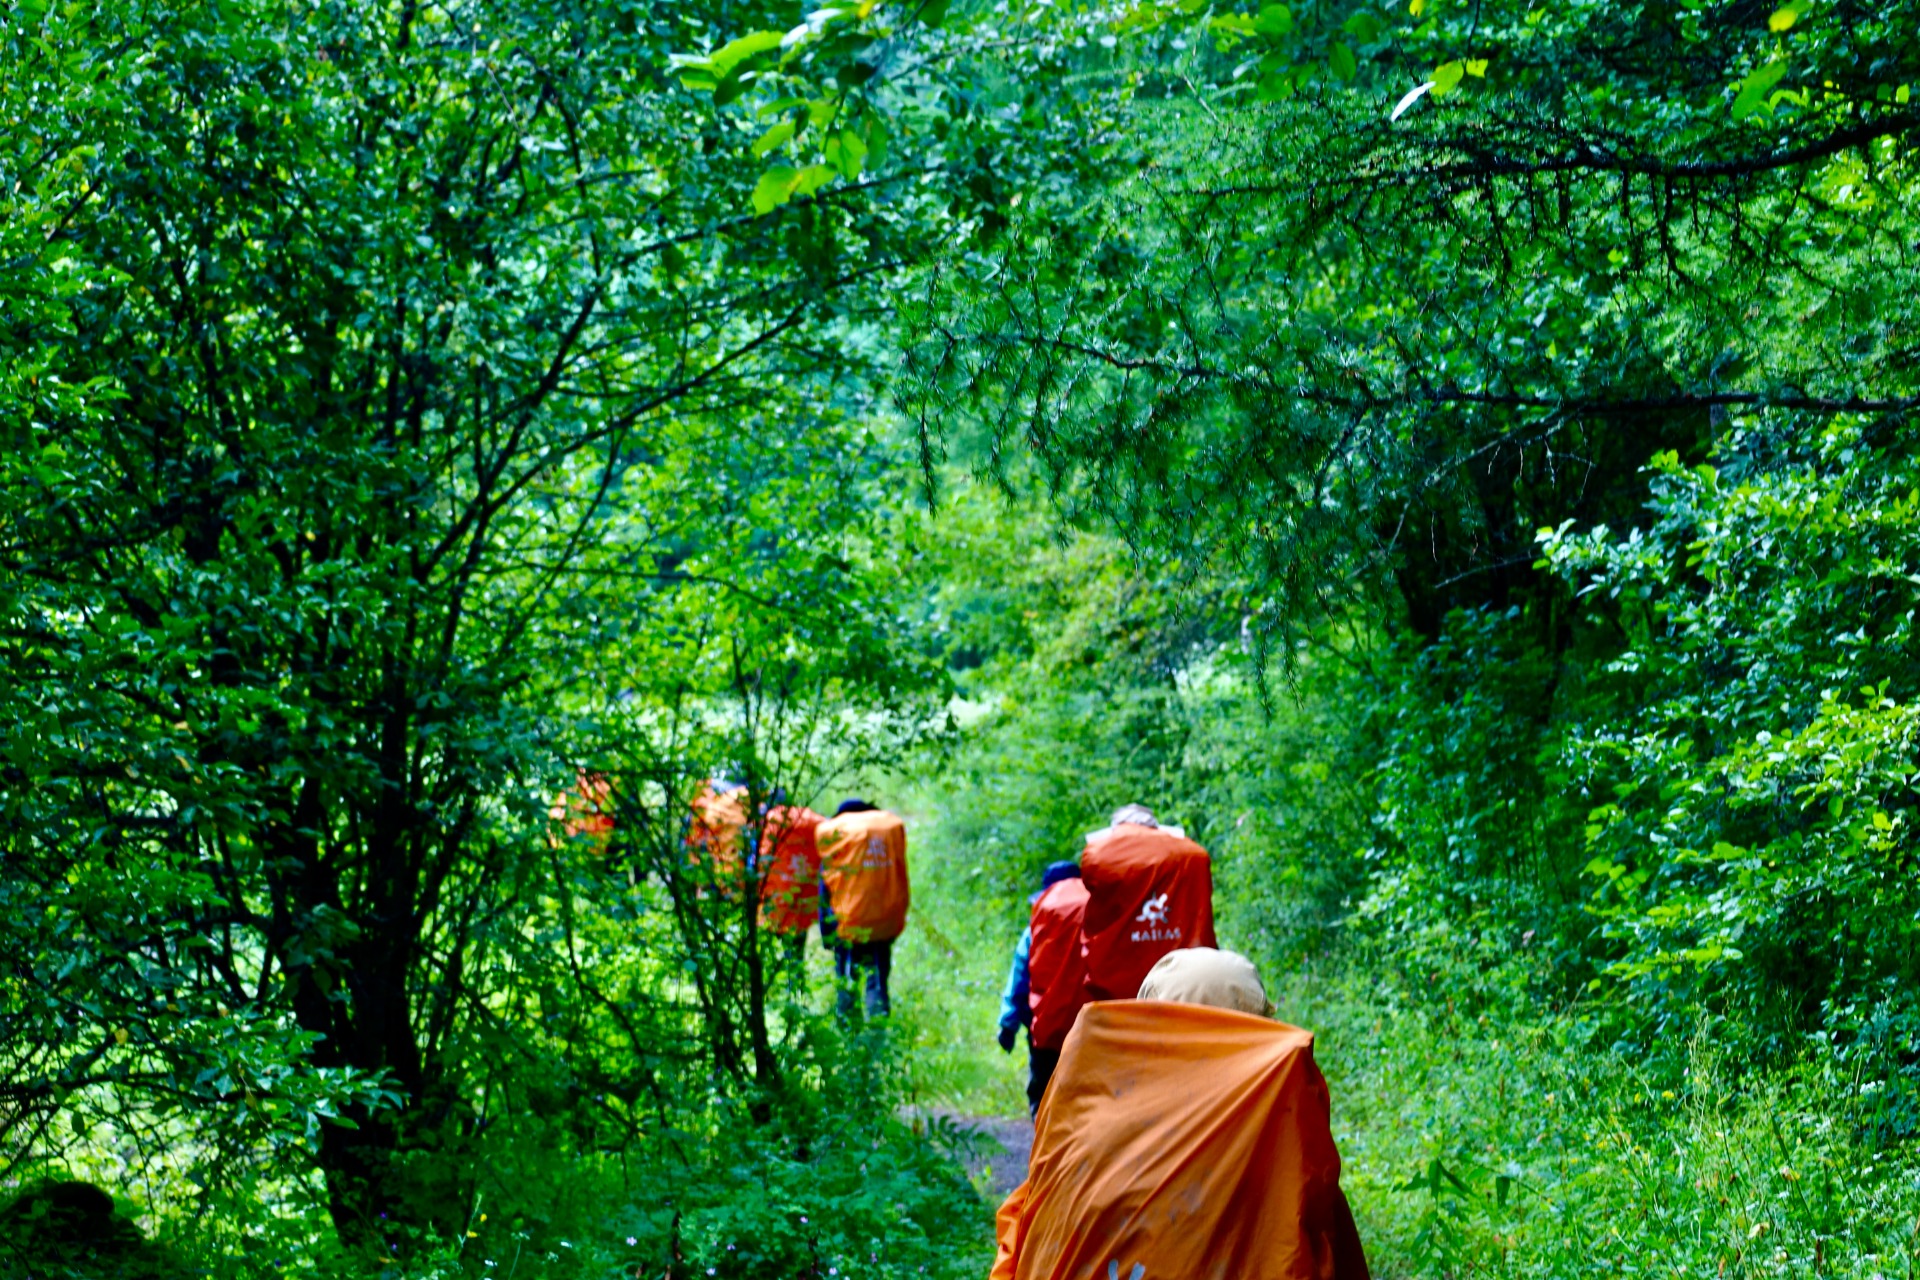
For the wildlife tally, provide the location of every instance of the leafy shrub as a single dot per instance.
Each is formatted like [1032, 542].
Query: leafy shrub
[1752, 768]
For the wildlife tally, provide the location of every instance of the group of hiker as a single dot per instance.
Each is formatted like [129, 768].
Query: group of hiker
[846, 873]
[1180, 1132]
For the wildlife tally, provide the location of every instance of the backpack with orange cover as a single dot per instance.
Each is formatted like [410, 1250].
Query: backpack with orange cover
[790, 869]
[1181, 1142]
[585, 813]
[863, 859]
[1149, 891]
[1056, 971]
[713, 836]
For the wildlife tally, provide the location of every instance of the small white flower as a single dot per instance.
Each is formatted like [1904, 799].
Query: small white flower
[632, 1240]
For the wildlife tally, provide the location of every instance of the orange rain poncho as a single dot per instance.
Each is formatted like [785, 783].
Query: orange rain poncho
[863, 858]
[1179, 1142]
[718, 818]
[1150, 891]
[585, 813]
[790, 869]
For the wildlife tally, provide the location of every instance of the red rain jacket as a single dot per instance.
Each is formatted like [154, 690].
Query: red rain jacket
[1056, 971]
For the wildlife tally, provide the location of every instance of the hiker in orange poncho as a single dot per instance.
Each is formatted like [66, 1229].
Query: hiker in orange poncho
[713, 834]
[1186, 1136]
[1149, 891]
[863, 898]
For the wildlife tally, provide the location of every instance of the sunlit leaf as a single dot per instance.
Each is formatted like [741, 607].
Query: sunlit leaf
[1786, 15]
[776, 137]
[738, 51]
[775, 188]
[1754, 89]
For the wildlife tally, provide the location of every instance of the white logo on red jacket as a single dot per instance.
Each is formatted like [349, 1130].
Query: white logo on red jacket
[1154, 916]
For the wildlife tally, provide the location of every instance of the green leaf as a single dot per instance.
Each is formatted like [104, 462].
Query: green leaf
[934, 12]
[812, 178]
[1274, 20]
[1276, 86]
[1786, 15]
[1363, 27]
[847, 153]
[775, 188]
[738, 51]
[776, 137]
[1341, 62]
[1446, 78]
[854, 74]
[732, 86]
[1754, 89]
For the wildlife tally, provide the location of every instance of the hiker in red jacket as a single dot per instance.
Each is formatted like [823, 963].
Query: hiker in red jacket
[1045, 987]
[1149, 891]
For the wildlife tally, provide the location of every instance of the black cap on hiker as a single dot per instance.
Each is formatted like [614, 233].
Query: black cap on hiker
[853, 806]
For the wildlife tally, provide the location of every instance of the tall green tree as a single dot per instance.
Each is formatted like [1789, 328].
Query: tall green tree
[377, 367]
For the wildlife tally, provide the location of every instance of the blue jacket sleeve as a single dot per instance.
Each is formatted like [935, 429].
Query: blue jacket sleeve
[1014, 1011]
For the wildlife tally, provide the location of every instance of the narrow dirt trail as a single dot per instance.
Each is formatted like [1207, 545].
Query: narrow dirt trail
[999, 1162]
[1003, 1158]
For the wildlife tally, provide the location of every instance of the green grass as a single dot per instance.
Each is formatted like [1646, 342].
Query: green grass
[1483, 1147]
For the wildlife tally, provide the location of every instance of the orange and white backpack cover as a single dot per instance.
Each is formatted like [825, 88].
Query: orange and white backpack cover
[863, 860]
[789, 869]
[1056, 970]
[1180, 1142]
[1149, 891]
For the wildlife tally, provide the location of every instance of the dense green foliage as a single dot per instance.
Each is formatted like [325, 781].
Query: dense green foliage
[1456, 459]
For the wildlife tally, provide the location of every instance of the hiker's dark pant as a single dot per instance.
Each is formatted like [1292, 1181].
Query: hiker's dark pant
[874, 957]
[1040, 1065]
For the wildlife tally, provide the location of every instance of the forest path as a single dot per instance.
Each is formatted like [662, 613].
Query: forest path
[1000, 1163]
[996, 1159]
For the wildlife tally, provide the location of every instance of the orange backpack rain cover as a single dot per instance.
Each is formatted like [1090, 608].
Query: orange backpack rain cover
[715, 832]
[1149, 892]
[790, 865]
[586, 812]
[1180, 1142]
[1056, 971]
[863, 858]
